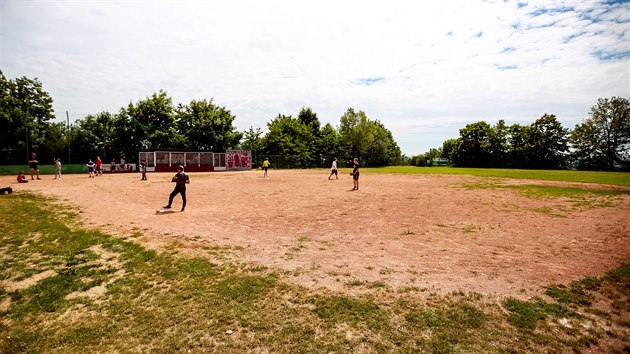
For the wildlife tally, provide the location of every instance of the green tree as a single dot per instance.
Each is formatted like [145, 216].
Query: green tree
[602, 141]
[153, 122]
[252, 141]
[309, 119]
[206, 126]
[433, 153]
[475, 146]
[25, 109]
[55, 140]
[352, 131]
[519, 146]
[499, 144]
[366, 139]
[289, 138]
[330, 146]
[419, 160]
[449, 147]
[95, 135]
[549, 142]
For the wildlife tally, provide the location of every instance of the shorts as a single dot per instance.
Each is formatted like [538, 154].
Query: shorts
[90, 169]
[356, 176]
[333, 172]
[265, 168]
[98, 168]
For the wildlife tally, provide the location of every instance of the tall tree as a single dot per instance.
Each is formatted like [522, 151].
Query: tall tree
[330, 146]
[206, 126]
[499, 144]
[367, 139]
[602, 141]
[309, 119]
[549, 142]
[449, 147]
[25, 109]
[475, 147]
[55, 141]
[95, 135]
[289, 138]
[519, 146]
[252, 141]
[153, 122]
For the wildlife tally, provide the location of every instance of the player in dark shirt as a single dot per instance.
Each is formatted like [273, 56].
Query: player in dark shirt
[355, 174]
[143, 169]
[181, 180]
[32, 163]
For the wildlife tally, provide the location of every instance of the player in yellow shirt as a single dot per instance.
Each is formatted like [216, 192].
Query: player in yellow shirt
[266, 165]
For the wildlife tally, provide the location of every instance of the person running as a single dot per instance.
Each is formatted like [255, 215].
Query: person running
[57, 168]
[143, 169]
[99, 166]
[90, 166]
[355, 174]
[21, 178]
[266, 165]
[181, 180]
[333, 169]
[32, 163]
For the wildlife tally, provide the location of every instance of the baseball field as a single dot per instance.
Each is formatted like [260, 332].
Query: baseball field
[398, 266]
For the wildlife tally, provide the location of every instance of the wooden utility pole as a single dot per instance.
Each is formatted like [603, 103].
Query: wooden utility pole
[68, 120]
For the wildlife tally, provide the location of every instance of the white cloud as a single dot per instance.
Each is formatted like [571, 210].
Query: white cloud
[432, 67]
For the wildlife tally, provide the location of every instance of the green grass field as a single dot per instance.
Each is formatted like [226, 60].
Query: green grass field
[109, 294]
[43, 169]
[612, 178]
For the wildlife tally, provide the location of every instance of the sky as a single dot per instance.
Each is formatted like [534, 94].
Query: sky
[424, 69]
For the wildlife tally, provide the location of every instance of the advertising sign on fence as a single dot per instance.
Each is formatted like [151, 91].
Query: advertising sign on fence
[238, 160]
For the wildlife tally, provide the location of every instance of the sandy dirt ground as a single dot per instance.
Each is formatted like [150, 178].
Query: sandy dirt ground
[423, 231]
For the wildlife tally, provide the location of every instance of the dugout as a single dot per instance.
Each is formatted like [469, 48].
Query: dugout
[196, 161]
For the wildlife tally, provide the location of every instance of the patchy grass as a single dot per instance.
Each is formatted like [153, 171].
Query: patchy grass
[164, 301]
[470, 228]
[574, 193]
[612, 178]
[579, 197]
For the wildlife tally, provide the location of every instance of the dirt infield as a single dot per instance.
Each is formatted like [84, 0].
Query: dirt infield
[422, 231]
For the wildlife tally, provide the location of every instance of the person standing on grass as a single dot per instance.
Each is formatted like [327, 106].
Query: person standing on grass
[181, 180]
[99, 166]
[266, 165]
[57, 168]
[32, 163]
[143, 169]
[333, 169]
[90, 166]
[355, 174]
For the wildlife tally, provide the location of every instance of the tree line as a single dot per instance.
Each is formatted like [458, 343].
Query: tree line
[301, 141]
[157, 123]
[600, 142]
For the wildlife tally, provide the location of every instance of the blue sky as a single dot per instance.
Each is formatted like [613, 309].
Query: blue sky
[423, 68]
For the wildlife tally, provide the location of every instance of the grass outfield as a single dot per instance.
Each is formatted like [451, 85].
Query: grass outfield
[64, 288]
[613, 178]
[43, 169]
